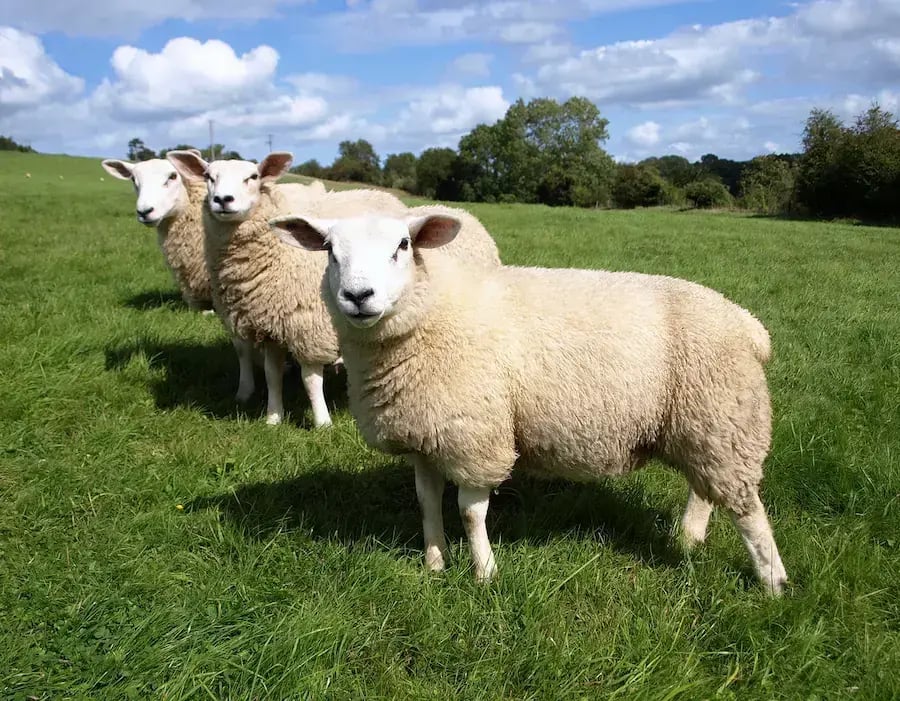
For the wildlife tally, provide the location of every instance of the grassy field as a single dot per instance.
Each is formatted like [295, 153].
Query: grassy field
[158, 542]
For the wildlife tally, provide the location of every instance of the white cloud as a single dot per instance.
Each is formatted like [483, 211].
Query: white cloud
[829, 41]
[477, 65]
[186, 77]
[364, 26]
[451, 110]
[28, 76]
[126, 18]
[645, 135]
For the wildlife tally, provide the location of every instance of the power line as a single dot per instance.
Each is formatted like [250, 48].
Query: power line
[270, 143]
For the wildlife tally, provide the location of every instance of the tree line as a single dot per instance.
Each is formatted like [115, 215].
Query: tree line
[551, 153]
[138, 151]
[8, 144]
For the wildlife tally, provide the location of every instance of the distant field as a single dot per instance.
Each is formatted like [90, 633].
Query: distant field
[158, 542]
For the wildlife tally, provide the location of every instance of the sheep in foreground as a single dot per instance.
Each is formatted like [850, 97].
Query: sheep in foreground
[562, 373]
[174, 206]
[269, 295]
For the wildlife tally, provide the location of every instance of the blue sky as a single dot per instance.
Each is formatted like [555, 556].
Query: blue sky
[672, 76]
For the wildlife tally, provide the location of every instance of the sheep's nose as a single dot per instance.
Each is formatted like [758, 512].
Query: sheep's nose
[358, 297]
[144, 212]
[225, 199]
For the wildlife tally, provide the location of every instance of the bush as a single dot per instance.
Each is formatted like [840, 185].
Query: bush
[705, 194]
[639, 186]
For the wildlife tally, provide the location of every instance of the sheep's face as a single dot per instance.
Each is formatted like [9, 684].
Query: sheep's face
[233, 187]
[159, 188]
[371, 261]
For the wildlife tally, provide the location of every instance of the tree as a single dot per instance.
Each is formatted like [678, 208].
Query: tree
[638, 186]
[435, 171]
[724, 170]
[871, 165]
[541, 151]
[311, 168]
[8, 144]
[820, 182]
[400, 171]
[768, 184]
[137, 151]
[678, 170]
[357, 161]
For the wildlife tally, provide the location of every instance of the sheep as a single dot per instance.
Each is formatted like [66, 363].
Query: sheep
[268, 295]
[174, 206]
[561, 373]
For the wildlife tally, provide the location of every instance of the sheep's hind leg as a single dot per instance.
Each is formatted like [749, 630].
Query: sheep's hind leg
[273, 362]
[695, 519]
[756, 532]
[246, 383]
[473, 508]
[315, 390]
[429, 490]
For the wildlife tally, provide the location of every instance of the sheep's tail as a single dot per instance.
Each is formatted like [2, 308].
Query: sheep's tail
[759, 337]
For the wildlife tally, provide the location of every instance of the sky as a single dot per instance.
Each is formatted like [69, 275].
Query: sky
[686, 77]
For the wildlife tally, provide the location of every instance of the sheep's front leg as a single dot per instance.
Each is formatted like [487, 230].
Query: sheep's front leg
[429, 490]
[273, 362]
[473, 507]
[246, 383]
[314, 384]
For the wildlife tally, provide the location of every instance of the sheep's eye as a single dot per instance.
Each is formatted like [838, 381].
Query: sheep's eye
[255, 176]
[404, 245]
[207, 176]
[172, 176]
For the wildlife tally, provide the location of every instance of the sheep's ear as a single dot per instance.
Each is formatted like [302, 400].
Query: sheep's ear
[275, 165]
[302, 232]
[197, 152]
[433, 230]
[189, 164]
[118, 169]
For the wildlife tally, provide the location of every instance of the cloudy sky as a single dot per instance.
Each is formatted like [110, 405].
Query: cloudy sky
[672, 76]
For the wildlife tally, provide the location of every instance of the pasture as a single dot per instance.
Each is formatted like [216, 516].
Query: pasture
[158, 541]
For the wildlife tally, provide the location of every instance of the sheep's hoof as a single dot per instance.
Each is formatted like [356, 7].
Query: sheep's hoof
[434, 561]
[486, 575]
[208, 312]
[273, 419]
[243, 395]
[322, 424]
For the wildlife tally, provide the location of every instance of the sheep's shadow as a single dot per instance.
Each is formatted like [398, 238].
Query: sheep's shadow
[380, 505]
[155, 299]
[205, 377]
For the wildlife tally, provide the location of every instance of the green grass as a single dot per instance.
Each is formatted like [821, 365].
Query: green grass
[294, 568]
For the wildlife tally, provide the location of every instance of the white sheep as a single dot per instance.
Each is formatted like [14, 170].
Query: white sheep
[175, 207]
[269, 295]
[563, 373]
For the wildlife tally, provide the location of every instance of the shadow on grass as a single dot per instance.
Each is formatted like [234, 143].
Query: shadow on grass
[380, 505]
[155, 299]
[205, 377]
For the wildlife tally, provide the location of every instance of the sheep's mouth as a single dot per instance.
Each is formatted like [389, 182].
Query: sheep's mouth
[227, 214]
[364, 319]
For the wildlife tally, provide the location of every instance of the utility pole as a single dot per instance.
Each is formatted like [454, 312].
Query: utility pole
[270, 143]
[212, 154]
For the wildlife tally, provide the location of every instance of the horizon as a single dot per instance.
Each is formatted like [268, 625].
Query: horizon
[679, 77]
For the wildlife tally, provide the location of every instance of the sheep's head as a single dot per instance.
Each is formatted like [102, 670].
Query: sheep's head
[159, 188]
[233, 187]
[371, 261]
